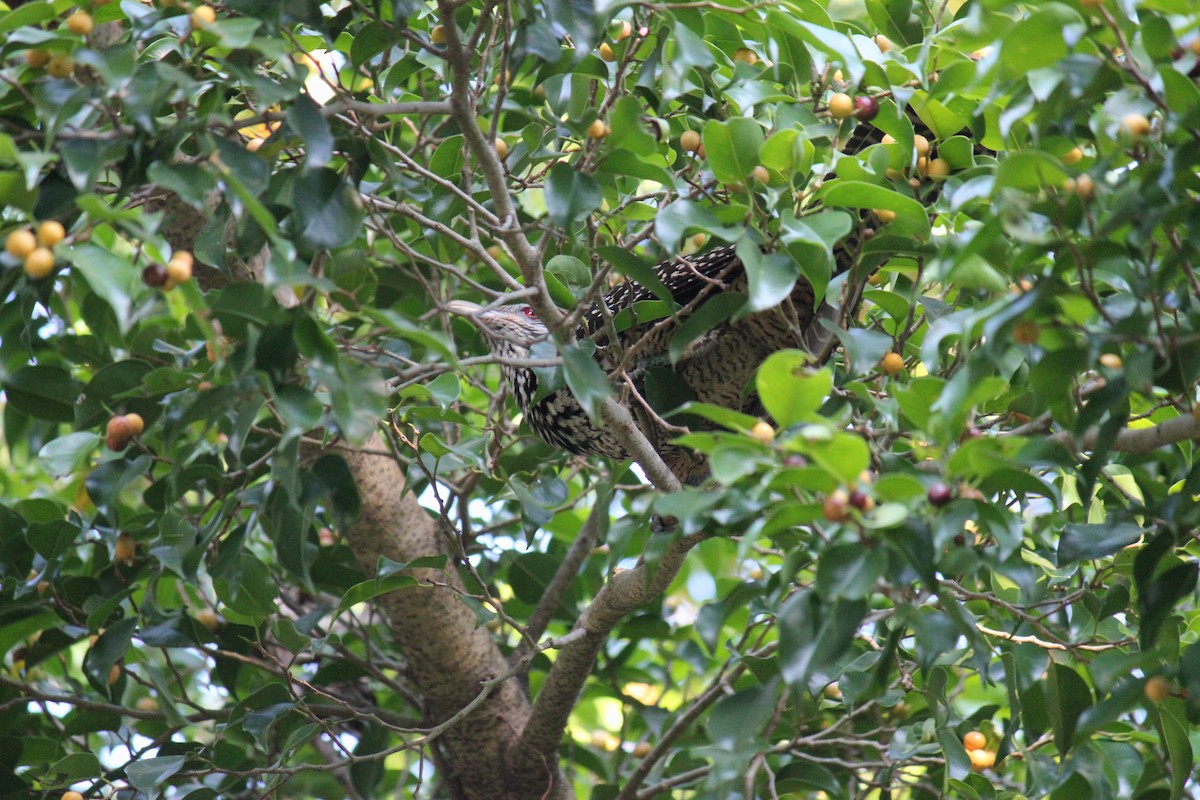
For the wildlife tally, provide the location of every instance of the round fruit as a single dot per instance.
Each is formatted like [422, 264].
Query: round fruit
[51, 232]
[326, 537]
[438, 34]
[20, 243]
[744, 55]
[125, 549]
[1110, 360]
[136, 424]
[923, 168]
[892, 363]
[974, 741]
[114, 674]
[60, 66]
[71, 796]
[208, 618]
[1157, 688]
[832, 691]
[641, 749]
[1072, 156]
[865, 108]
[606, 52]
[763, 432]
[689, 141]
[840, 105]
[861, 500]
[117, 433]
[1136, 125]
[922, 145]
[37, 58]
[1026, 332]
[80, 23]
[598, 129]
[39, 264]
[148, 704]
[883, 43]
[1085, 187]
[179, 268]
[982, 759]
[203, 15]
[885, 215]
[834, 507]
[939, 168]
[625, 32]
[502, 149]
[939, 494]
[154, 275]
[761, 174]
[888, 139]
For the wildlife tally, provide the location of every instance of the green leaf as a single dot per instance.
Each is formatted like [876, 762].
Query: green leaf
[585, 378]
[570, 195]
[844, 456]
[771, 276]
[684, 216]
[732, 148]
[328, 212]
[1082, 542]
[42, 392]
[789, 389]
[1067, 696]
[305, 116]
[66, 454]
[147, 773]
[1030, 171]
[911, 217]
[113, 278]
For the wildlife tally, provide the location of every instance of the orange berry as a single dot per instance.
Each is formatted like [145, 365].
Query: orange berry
[835, 506]
[51, 232]
[1024, 332]
[203, 15]
[689, 141]
[125, 549]
[1157, 688]
[136, 424]
[37, 58]
[1072, 156]
[71, 796]
[1136, 125]
[60, 65]
[20, 243]
[883, 43]
[598, 129]
[974, 741]
[892, 363]
[763, 432]
[939, 168]
[641, 749]
[80, 23]
[39, 263]
[114, 674]
[744, 55]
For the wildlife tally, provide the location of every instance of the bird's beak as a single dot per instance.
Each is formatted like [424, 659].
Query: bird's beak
[463, 308]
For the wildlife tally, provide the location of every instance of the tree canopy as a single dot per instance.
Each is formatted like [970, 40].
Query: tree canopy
[270, 526]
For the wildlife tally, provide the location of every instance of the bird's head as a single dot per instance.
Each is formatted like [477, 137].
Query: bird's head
[515, 327]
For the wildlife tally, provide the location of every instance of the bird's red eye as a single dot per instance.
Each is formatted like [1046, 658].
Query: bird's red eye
[527, 311]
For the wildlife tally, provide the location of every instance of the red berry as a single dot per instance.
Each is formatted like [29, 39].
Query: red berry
[939, 494]
[861, 500]
[865, 108]
[154, 275]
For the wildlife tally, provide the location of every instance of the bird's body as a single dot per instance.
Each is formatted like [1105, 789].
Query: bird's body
[715, 368]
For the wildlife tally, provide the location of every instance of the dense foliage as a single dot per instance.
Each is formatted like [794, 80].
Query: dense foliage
[977, 520]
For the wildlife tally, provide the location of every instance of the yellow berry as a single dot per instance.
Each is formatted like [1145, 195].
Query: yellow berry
[50, 233]
[892, 363]
[922, 145]
[39, 263]
[763, 432]
[60, 65]
[885, 215]
[37, 58]
[641, 749]
[80, 23]
[136, 424]
[1157, 688]
[939, 168]
[501, 149]
[438, 34]
[606, 52]
[744, 55]
[761, 174]
[203, 15]
[125, 549]
[1110, 360]
[20, 243]
[1072, 156]
[689, 141]
[982, 759]
[841, 105]
[114, 674]
[598, 129]
[179, 268]
[208, 618]
[1136, 125]
[883, 43]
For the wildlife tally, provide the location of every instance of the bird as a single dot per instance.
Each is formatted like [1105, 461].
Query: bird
[715, 368]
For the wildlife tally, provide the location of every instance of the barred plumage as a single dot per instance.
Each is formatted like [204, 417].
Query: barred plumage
[715, 368]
